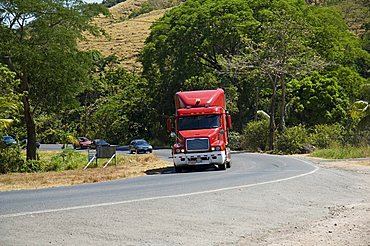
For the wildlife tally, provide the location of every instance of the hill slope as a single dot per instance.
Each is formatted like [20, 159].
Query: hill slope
[127, 36]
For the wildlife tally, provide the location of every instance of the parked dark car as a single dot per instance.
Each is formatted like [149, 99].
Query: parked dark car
[24, 144]
[140, 145]
[99, 142]
[83, 143]
[8, 140]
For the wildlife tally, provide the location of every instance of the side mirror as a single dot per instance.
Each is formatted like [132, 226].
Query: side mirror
[228, 120]
[173, 135]
[169, 125]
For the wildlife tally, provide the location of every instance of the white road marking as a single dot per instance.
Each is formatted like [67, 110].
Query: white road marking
[159, 197]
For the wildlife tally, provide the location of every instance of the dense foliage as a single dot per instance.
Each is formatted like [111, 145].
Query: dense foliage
[39, 44]
[244, 45]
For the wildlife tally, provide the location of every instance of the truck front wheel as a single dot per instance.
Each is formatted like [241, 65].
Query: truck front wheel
[228, 164]
[222, 166]
[178, 169]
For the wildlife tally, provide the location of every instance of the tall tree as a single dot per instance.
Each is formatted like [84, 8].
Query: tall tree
[317, 99]
[279, 52]
[9, 98]
[239, 44]
[186, 44]
[39, 43]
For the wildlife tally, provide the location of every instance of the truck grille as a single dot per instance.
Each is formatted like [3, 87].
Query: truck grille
[197, 144]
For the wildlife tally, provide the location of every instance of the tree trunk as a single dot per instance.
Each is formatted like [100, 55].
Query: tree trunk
[30, 124]
[31, 130]
[257, 101]
[283, 104]
[272, 116]
[28, 118]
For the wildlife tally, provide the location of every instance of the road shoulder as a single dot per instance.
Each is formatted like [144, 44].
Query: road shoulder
[343, 225]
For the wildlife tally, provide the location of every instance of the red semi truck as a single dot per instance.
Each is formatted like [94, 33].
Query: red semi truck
[201, 129]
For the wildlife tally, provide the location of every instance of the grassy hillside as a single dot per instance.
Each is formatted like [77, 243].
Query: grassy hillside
[127, 36]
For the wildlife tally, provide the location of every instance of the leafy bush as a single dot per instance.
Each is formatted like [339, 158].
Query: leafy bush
[31, 166]
[255, 135]
[324, 136]
[145, 8]
[317, 99]
[292, 140]
[69, 159]
[10, 159]
[234, 141]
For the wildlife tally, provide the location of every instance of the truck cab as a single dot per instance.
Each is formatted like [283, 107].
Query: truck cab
[201, 130]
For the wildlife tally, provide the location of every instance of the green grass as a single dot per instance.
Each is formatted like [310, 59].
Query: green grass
[70, 159]
[345, 152]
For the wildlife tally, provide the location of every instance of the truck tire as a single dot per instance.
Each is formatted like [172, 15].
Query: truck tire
[222, 166]
[228, 164]
[178, 169]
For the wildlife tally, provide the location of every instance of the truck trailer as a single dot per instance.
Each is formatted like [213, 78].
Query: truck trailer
[201, 128]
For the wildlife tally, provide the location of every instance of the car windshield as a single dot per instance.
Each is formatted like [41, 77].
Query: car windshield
[141, 142]
[199, 122]
[100, 141]
[84, 139]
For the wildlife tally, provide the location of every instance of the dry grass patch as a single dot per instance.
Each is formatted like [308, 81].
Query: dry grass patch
[127, 36]
[127, 166]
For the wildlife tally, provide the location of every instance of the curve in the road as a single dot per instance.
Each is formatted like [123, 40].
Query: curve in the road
[248, 170]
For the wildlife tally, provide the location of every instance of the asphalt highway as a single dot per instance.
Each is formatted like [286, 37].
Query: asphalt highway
[247, 170]
[258, 195]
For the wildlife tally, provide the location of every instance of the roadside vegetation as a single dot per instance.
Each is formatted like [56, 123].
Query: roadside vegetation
[342, 152]
[63, 168]
[295, 73]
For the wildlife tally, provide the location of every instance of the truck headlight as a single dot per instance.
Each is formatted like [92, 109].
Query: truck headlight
[217, 148]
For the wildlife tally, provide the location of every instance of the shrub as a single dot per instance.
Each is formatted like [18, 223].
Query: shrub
[255, 135]
[234, 141]
[324, 136]
[10, 159]
[31, 166]
[69, 159]
[292, 140]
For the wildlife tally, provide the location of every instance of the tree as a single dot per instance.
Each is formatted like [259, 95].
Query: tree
[39, 43]
[317, 99]
[241, 45]
[184, 47]
[126, 113]
[9, 98]
[281, 52]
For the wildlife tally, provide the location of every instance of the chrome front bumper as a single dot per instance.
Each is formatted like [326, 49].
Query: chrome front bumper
[201, 158]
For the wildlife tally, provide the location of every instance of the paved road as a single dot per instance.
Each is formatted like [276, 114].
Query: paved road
[211, 207]
[247, 170]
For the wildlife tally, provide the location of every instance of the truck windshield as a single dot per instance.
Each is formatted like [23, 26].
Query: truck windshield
[199, 122]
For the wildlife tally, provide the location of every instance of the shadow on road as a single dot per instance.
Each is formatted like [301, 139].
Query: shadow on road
[171, 170]
[163, 170]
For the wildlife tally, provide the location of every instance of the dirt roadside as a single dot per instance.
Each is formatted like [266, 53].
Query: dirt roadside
[343, 225]
[134, 166]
